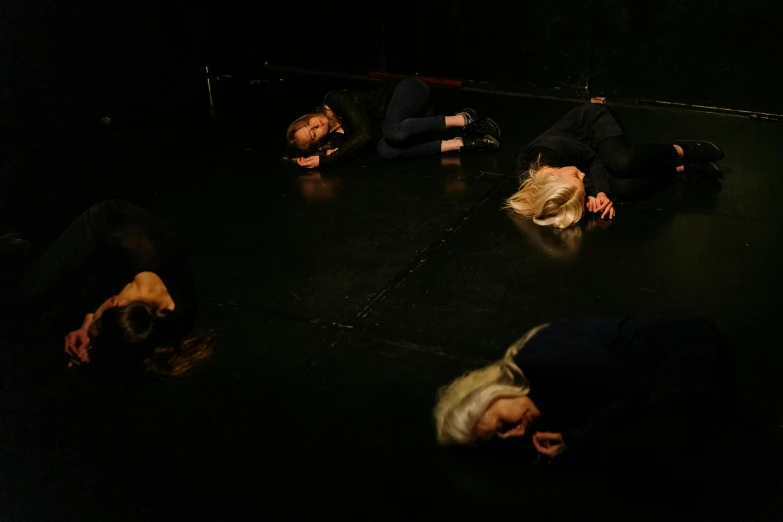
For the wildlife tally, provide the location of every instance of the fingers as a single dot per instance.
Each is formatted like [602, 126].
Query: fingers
[601, 204]
[609, 211]
[547, 437]
[549, 451]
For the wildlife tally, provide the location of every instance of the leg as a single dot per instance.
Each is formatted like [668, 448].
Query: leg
[398, 151]
[625, 160]
[403, 116]
[389, 152]
[71, 253]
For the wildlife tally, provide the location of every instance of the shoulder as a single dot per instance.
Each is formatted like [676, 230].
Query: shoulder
[335, 96]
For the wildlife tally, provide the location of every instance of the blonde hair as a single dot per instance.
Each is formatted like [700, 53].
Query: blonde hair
[548, 200]
[461, 403]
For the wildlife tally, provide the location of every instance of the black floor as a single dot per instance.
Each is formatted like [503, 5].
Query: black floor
[344, 299]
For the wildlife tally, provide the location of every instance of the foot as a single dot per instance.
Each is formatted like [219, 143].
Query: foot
[484, 143]
[697, 150]
[703, 170]
[470, 116]
[482, 127]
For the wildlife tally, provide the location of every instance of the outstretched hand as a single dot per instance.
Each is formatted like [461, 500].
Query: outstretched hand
[549, 444]
[312, 162]
[309, 162]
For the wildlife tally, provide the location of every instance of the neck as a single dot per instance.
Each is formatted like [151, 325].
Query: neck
[148, 286]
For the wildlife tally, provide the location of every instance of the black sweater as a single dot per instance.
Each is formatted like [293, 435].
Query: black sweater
[572, 141]
[590, 375]
[361, 114]
[138, 241]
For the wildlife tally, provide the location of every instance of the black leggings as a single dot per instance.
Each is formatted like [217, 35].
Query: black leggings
[625, 160]
[410, 123]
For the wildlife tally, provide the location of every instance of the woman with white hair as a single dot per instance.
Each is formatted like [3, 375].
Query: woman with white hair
[567, 170]
[597, 387]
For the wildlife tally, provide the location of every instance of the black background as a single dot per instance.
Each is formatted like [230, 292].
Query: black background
[143, 62]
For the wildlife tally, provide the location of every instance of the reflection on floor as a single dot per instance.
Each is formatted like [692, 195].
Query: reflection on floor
[344, 298]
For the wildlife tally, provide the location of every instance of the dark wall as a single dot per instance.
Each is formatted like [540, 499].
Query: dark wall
[66, 65]
[712, 52]
[492, 42]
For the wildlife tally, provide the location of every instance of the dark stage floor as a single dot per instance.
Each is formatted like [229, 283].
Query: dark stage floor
[344, 299]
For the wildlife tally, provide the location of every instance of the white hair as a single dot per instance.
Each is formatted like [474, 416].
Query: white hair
[461, 403]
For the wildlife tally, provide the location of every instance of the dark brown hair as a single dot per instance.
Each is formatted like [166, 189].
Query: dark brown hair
[134, 339]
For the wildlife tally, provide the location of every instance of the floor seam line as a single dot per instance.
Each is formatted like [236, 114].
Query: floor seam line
[422, 257]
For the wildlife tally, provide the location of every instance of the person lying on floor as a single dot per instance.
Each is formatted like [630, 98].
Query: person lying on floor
[397, 117]
[598, 390]
[566, 170]
[133, 276]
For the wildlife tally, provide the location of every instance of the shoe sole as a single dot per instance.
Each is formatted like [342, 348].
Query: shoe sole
[495, 142]
[714, 173]
[494, 123]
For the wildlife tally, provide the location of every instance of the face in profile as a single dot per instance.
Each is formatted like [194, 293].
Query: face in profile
[312, 132]
[571, 175]
[507, 417]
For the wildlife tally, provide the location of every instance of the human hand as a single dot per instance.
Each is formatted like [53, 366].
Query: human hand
[549, 444]
[309, 162]
[77, 343]
[330, 151]
[601, 203]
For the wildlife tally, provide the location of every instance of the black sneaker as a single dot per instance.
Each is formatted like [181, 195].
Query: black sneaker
[484, 143]
[703, 170]
[697, 150]
[483, 126]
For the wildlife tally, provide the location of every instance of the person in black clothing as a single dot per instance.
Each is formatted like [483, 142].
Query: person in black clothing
[598, 389]
[129, 269]
[567, 169]
[397, 117]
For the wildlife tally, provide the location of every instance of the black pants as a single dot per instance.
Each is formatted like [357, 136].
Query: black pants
[410, 125]
[626, 160]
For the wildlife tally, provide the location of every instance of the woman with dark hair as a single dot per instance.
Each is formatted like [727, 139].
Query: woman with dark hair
[397, 117]
[135, 276]
[568, 169]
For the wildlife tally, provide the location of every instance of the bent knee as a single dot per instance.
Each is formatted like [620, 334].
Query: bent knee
[386, 151]
[621, 165]
[414, 82]
[394, 134]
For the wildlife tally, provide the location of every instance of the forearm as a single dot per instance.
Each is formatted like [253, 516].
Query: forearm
[87, 322]
[343, 151]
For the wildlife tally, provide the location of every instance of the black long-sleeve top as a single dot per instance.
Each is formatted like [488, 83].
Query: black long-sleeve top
[361, 114]
[572, 141]
[589, 375]
[138, 241]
